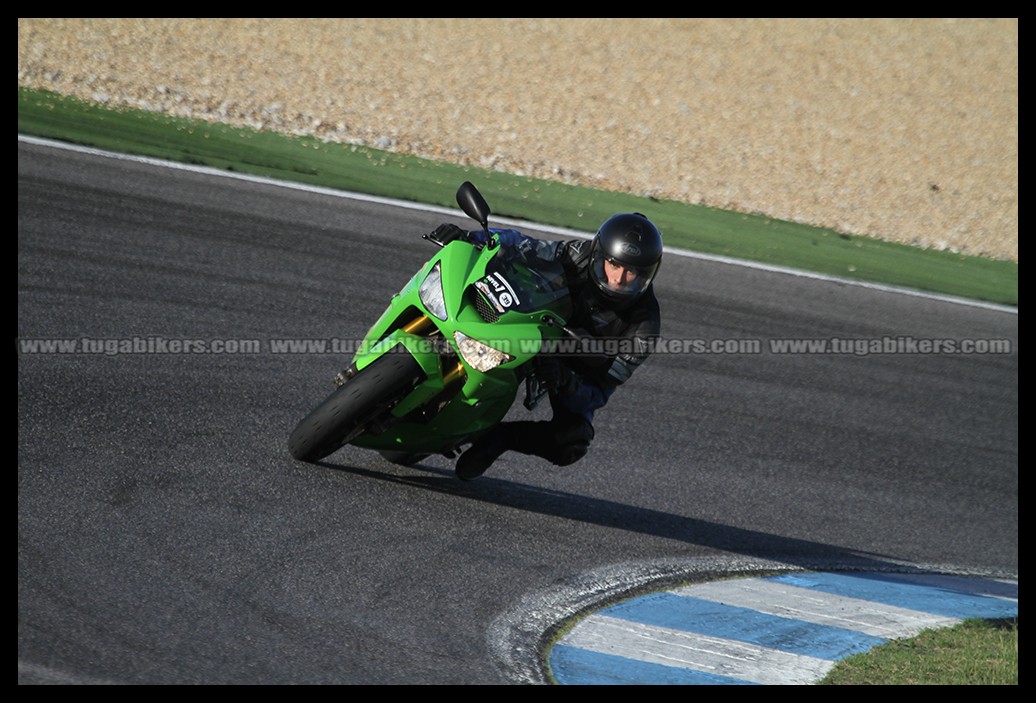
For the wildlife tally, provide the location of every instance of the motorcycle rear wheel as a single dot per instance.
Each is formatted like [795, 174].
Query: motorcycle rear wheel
[344, 414]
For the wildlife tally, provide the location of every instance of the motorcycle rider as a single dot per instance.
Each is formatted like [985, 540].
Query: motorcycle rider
[610, 281]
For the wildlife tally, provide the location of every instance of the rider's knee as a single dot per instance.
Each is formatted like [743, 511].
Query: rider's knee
[571, 453]
[573, 442]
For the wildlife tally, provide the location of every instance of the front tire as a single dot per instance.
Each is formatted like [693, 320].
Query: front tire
[343, 414]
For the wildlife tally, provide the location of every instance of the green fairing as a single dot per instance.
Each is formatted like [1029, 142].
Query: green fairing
[485, 397]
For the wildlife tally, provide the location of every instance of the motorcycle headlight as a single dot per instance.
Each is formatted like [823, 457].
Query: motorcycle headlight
[430, 292]
[479, 356]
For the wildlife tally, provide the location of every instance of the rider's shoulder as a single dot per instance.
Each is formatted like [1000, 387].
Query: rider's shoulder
[575, 252]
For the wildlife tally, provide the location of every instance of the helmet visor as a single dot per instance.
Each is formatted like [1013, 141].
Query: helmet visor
[619, 278]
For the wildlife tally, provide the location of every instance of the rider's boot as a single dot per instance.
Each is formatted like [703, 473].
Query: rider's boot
[563, 440]
[481, 455]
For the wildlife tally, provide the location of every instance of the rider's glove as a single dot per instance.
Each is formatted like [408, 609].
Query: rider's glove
[446, 233]
[555, 375]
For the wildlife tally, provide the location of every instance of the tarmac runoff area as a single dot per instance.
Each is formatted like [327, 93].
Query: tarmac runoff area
[778, 629]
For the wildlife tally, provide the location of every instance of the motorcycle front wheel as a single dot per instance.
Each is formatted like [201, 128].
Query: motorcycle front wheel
[343, 414]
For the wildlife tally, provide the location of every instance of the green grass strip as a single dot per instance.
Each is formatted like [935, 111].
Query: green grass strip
[976, 652]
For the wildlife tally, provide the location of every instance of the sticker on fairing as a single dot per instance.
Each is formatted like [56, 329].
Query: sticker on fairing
[483, 288]
[506, 285]
[498, 291]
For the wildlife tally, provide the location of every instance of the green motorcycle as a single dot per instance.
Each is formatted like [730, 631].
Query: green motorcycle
[446, 360]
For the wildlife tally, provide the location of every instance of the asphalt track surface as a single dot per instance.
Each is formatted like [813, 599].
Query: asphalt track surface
[165, 536]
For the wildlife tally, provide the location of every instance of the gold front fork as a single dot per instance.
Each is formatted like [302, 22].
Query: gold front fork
[421, 326]
[418, 326]
[455, 374]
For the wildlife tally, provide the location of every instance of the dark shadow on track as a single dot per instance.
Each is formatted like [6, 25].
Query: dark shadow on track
[607, 513]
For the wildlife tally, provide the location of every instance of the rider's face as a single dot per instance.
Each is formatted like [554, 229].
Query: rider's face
[619, 277]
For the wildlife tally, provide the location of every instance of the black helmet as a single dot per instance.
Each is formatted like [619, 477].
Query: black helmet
[624, 257]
